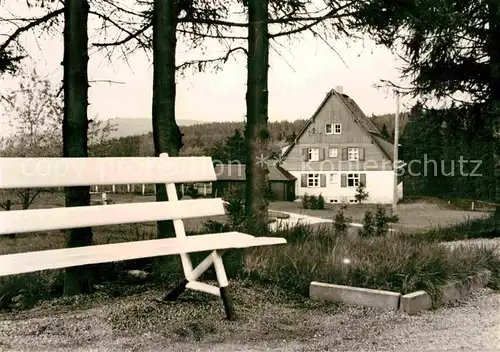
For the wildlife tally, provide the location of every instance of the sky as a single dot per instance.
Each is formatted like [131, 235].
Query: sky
[299, 77]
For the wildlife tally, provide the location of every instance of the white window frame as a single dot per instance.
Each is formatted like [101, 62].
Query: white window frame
[313, 180]
[335, 153]
[353, 154]
[334, 178]
[355, 180]
[313, 154]
[329, 131]
[337, 128]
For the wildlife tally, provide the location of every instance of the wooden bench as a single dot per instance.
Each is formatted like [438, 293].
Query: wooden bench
[65, 172]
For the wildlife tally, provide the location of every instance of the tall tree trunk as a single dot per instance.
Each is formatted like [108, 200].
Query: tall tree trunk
[8, 204]
[166, 134]
[494, 41]
[75, 124]
[256, 130]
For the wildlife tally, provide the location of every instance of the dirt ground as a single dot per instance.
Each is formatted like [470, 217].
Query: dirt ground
[267, 321]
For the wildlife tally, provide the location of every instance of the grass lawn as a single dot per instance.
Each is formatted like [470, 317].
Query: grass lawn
[415, 216]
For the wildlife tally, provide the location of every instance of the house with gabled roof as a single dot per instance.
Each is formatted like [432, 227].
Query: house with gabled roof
[338, 148]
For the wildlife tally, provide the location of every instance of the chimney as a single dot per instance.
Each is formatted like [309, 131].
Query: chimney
[339, 89]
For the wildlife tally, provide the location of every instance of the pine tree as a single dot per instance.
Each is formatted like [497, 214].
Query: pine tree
[385, 133]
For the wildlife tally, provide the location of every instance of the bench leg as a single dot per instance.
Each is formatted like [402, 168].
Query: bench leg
[191, 274]
[220, 271]
[176, 292]
[228, 304]
[215, 259]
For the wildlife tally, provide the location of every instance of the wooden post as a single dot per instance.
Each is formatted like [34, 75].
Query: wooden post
[143, 189]
[113, 188]
[128, 188]
[205, 189]
[472, 206]
[96, 189]
[396, 164]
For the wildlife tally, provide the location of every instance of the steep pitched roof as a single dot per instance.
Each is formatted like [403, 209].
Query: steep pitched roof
[358, 115]
[236, 172]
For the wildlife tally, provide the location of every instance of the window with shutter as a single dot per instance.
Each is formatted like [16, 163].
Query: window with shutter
[353, 180]
[313, 154]
[353, 154]
[313, 180]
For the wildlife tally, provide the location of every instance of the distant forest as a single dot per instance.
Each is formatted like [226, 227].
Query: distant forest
[203, 139]
[199, 139]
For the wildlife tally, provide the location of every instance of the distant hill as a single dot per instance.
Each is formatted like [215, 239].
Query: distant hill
[138, 126]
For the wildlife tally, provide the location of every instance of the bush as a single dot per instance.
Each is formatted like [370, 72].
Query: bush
[192, 191]
[341, 222]
[368, 225]
[26, 290]
[235, 207]
[213, 226]
[321, 202]
[305, 201]
[361, 194]
[380, 222]
[393, 217]
[313, 202]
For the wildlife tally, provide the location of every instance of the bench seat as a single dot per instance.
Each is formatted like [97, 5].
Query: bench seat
[31, 220]
[67, 257]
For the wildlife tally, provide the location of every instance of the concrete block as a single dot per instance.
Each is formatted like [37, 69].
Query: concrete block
[354, 295]
[458, 290]
[415, 302]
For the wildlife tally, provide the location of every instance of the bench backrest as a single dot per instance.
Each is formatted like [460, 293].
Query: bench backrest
[64, 172]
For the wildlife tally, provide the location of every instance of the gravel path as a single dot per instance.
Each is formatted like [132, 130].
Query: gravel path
[491, 243]
[470, 325]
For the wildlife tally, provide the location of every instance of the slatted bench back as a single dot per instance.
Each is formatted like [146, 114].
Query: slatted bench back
[64, 172]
